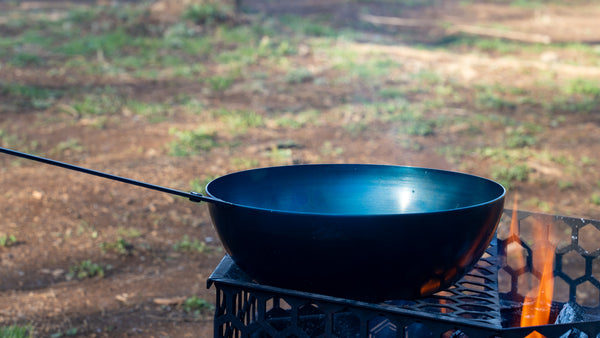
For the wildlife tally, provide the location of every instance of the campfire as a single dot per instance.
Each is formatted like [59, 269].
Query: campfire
[537, 304]
[538, 278]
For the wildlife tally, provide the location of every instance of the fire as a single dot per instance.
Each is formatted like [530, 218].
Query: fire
[538, 302]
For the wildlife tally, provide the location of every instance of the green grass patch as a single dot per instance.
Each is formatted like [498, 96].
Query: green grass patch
[241, 56]
[129, 232]
[418, 127]
[16, 331]
[67, 333]
[486, 45]
[220, 83]
[565, 185]
[237, 35]
[87, 269]
[376, 67]
[488, 99]
[571, 104]
[189, 104]
[309, 26]
[274, 49]
[408, 118]
[453, 154]
[362, 68]
[27, 48]
[153, 112]
[199, 185]
[298, 75]
[410, 144]
[508, 176]
[391, 93]
[239, 121]
[102, 101]
[7, 240]
[242, 163]
[576, 96]
[522, 136]
[26, 59]
[245, 46]
[405, 3]
[12, 141]
[509, 166]
[36, 97]
[448, 93]
[72, 145]
[120, 246]
[280, 156]
[109, 44]
[356, 128]
[595, 199]
[586, 160]
[527, 3]
[585, 87]
[84, 15]
[535, 202]
[208, 13]
[412, 122]
[191, 245]
[427, 76]
[192, 142]
[196, 306]
[298, 120]
[195, 46]
[328, 149]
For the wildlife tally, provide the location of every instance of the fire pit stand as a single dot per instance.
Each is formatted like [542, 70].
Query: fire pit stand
[484, 303]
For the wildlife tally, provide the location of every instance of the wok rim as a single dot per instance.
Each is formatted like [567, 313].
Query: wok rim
[488, 202]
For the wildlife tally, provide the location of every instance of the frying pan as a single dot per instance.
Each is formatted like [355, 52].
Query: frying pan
[359, 231]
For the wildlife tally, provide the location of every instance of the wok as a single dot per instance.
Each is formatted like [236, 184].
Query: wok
[358, 231]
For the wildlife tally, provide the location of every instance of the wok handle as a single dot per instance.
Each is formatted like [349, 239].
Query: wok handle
[192, 196]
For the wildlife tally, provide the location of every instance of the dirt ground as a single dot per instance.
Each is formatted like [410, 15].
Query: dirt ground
[59, 217]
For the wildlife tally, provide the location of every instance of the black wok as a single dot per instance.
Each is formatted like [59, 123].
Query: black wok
[366, 232]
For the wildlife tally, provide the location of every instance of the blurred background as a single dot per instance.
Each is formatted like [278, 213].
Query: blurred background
[177, 93]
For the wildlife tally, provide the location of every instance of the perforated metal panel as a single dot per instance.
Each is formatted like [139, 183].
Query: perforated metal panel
[476, 306]
[577, 262]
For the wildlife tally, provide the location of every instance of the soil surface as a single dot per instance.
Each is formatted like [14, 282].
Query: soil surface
[61, 218]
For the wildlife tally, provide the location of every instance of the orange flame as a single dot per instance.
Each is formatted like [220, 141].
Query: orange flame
[538, 302]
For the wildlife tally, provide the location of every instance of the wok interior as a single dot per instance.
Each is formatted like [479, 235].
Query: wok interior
[345, 189]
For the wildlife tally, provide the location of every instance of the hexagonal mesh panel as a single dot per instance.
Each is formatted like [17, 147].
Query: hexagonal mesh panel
[577, 243]
[484, 303]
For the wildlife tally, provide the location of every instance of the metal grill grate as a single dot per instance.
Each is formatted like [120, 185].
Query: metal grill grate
[474, 297]
[577, 266]
[476, 306]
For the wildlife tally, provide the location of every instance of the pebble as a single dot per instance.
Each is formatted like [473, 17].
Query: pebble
[37, 195]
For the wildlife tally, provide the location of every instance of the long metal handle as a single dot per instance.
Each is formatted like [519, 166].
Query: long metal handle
[192, 196]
